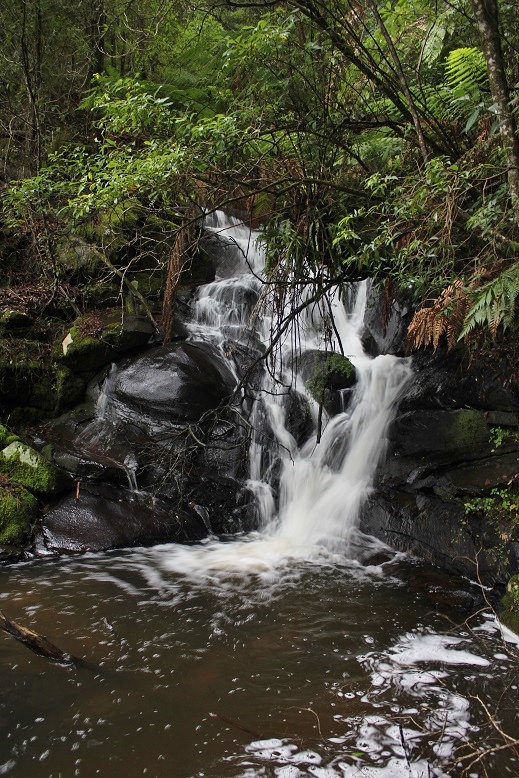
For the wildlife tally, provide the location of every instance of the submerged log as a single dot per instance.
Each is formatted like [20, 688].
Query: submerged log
[37, 643]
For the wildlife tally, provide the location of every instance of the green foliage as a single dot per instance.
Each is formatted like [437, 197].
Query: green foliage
[495, 304]
[7, 437]
[298, 113]
[129, 108]
[501, 503]
[500, 436]
[465, 69]
[466, 73]
[510, 603]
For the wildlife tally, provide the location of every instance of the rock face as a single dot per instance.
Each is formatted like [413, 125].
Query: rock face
[179, 383]
[156, 448]
[453, 453]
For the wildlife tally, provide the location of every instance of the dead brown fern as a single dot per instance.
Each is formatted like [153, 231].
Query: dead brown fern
[444, 317]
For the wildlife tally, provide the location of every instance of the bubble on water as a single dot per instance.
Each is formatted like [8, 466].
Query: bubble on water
[307, 757]
[260, 745]
[287, 771]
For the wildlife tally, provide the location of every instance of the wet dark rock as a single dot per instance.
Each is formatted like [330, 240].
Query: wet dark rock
[385, 324]
[298, 418]
[425, 526]
[445, 592]
[141, 430]
[106, 517]
[457, 434]
[180, 382]
[445, 380]
[11, 554]
[442, 452]
[220, 499]
[98, 339]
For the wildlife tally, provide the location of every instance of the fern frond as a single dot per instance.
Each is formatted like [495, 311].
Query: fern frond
[495, 304]
[465, 69]
[437, 33]
[445, 316]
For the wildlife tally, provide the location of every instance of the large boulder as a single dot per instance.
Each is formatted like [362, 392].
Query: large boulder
[26, 466]
[99, 517]
[177, 383]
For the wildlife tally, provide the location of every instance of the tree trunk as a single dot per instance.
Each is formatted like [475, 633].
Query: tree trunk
[487, 17]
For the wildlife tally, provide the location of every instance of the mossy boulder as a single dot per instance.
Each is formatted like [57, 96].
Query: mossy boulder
[29, 380]
[97, 339]
[326, 375]
[6, 437]
[27, 467]
[77, 257]
[12, 320]
[18, 508]
[510, 613]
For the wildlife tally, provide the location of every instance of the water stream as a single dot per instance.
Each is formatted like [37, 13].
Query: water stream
[303, 649]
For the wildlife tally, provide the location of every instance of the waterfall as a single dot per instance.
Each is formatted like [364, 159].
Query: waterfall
[308, 496]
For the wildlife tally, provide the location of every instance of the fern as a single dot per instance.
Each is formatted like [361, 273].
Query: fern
[466, 70]
[445, 316]
[441, 28]
[495, 304]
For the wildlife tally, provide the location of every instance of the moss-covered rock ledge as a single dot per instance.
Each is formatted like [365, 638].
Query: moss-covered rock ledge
[25, 478]
[97, 339]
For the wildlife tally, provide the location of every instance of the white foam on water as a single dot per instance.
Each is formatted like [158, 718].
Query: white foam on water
[415, 649]
[388, 744]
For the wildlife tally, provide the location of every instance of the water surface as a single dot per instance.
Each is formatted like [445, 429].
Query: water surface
[317, 667]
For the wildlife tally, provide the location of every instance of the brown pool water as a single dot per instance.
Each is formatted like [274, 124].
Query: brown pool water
[309, 667]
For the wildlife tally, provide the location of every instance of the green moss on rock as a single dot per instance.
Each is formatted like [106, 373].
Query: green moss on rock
[14, 320]
[330, 372]
[18, 509]
[100, 338]
[83, 351]
[6, 437]
[69, 388]
[25, 466]
[510, 614]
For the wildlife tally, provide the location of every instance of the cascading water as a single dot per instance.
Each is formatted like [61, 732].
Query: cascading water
[321, 485]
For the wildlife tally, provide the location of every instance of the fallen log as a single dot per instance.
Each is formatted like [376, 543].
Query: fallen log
[37, 643]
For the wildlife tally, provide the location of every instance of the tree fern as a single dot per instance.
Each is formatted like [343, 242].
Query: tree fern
[495, 304]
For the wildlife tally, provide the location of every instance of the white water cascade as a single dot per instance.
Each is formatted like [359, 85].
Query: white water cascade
[320, 486]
